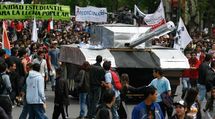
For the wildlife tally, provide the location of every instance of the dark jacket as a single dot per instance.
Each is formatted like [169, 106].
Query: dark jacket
[140, 111]
[82, 81]
[203, 68]
[210, 78]
[61, 92]
[96, 75]
[103, 112]
[175, 117]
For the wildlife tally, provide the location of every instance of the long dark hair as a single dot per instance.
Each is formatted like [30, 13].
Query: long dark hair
[191, 96]
[209, 104]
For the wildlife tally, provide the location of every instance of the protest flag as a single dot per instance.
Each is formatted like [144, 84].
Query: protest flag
[155, 19]
[5, 40]
[50, 25]
[182, 36]
[34, 31]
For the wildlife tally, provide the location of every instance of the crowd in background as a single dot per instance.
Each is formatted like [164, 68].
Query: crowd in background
[24, 53]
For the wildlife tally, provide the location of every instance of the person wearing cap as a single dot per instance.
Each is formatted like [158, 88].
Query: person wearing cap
[180, 110]
[53, 53]
[148, 108]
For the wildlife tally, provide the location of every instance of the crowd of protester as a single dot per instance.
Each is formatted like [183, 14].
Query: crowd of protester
[40, 59]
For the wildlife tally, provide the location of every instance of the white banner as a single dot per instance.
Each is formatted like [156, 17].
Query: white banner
[182, 36]
[157, 18]
[137, 11]
[92, 14]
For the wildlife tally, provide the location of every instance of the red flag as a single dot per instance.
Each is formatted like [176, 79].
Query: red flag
[5, 40]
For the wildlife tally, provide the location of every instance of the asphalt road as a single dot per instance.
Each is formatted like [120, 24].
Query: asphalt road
[73, 107]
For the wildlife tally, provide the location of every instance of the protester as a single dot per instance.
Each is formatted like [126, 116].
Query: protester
[194, 73]
[193, 105]
[203, 69]
[109, 85]
[14, 77]
[54, 53]
[43, 65]
[96, 75]
[210, 105]
[35, 94]
[148, 108]
[25, 109]
[82, 81]
[180, 110]
[61, 97]
[5, 90]
[104, 110]
[210, 77]
[163, 87]
[200, 55]
[185, 77]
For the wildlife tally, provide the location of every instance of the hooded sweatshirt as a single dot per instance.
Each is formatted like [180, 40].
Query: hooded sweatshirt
[35, 88]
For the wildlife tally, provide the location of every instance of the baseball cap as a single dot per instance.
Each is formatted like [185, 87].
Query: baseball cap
[180, 102]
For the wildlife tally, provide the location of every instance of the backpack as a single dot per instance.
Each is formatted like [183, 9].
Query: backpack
[116, 80]
[2, 86]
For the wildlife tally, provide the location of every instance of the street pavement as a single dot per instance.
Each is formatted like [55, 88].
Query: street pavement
[73, 107]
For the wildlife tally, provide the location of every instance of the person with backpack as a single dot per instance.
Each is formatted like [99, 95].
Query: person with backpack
[5, 90]
[109, 83]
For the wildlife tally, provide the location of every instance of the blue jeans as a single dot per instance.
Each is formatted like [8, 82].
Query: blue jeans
[185, 83]
[25, 111]
[94, 98]
[202, 92]
[37, 111]
[82, 101]
[115, 107]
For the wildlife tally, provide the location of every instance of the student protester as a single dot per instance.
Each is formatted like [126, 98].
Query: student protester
[5, 90]
[14, 77]
[193, 105]
[109, 85]
[194, 72]
[82, 81]
[35, 94]
[61, 99]
[210, 105]
[25, 109]
[180, 110]
[185, 77]
[149, 108]
[203, 69]
[96, 75]
[104, 110]
[163, 87]
[210, 77]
